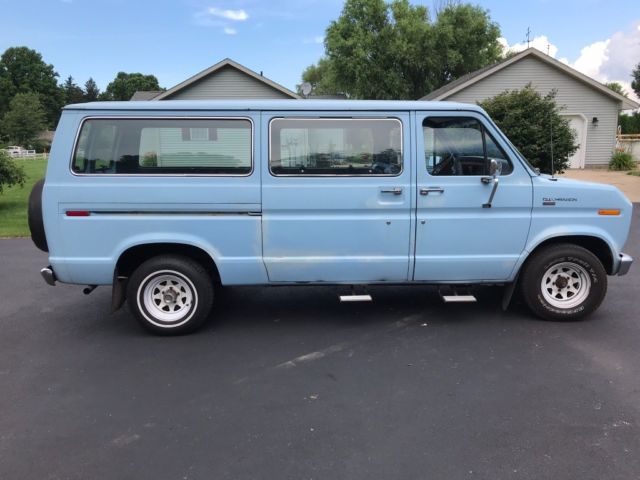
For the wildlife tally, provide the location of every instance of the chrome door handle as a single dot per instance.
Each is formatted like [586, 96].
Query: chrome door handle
[393, 191]
[427, 191]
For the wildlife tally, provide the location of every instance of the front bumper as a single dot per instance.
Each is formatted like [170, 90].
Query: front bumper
[625, 264]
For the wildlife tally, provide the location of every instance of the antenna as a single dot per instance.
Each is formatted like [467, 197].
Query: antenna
[528, 36]
[551, 131]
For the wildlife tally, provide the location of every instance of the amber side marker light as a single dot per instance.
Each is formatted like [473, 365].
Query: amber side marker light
[610, 211]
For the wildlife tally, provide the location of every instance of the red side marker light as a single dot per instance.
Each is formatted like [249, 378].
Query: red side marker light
[78, 213]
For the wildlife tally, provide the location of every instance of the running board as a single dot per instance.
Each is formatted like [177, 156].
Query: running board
[454, 295]
[355, 298]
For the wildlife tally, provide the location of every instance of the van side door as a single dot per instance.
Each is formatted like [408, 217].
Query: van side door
[336, 196]
[458, 236]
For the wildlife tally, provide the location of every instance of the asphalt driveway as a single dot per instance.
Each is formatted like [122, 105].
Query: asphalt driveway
[288, 383]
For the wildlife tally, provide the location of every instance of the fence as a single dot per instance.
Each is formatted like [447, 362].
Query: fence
[21, 153]
[629, 143]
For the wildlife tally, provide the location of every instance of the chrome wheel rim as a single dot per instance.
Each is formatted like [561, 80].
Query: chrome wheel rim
[167, 299]
[565, 285]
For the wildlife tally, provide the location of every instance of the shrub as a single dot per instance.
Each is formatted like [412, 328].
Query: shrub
[10, 172]
[622, 161]
[528, 119]
[150, 159]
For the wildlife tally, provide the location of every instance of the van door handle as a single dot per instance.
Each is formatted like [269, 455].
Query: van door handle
[393, 191]
[427, 191]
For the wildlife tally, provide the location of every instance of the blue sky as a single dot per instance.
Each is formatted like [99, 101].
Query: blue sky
[176, 39]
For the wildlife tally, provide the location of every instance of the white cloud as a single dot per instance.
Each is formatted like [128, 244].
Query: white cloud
[234, 15]
[221, 18]
[612, 59]
[541, 43]
[592, 57]
[318, 40]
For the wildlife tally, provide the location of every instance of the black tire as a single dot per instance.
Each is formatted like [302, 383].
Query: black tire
[36, 224]
[575, 282]
[170, 295]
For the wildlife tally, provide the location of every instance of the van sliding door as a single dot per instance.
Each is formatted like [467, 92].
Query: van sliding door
[336, 196]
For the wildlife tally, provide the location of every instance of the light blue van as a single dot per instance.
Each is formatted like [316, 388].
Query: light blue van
[169, 200]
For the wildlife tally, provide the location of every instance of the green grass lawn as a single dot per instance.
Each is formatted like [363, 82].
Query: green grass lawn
[13, 200]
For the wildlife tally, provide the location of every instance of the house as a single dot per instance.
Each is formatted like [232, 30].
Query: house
[224, 80]
[590, 106]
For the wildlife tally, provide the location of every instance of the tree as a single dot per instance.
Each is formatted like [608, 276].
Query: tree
[126, 84]
[22, 70]
[72, 92]
[629, 123]
[529, 120]
[635, 84]
[379, 50]
[322, 79]
[10, 172]
[91, 90]
[466, 40]
[616, 87]
[25, 119]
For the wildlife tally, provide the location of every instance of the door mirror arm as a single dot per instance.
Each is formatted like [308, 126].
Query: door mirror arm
[495, 169]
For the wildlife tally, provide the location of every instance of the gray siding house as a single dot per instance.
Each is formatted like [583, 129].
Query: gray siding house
[591, 107]
[224, 80]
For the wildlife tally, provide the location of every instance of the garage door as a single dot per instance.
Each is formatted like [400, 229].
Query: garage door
[579, 124]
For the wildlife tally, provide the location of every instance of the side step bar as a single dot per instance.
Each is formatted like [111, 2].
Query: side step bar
[454, 294]
[355, 298]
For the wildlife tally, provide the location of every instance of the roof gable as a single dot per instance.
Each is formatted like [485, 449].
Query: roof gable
[145, 95]
[465, 81]
[227, 62]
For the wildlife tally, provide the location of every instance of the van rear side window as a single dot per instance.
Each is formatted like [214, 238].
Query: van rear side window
[164, 146]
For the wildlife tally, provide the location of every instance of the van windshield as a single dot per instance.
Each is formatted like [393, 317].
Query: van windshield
[523, 158]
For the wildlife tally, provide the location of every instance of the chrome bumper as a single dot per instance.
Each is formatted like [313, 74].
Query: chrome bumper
[625, 264]
[48, 275]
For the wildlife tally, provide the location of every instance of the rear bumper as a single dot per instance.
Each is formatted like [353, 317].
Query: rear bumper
[625, 264]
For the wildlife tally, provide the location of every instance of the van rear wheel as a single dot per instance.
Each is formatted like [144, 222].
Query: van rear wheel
[170, 295]
[563, 282]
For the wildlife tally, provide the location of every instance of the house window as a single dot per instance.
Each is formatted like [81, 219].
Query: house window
[198, 134]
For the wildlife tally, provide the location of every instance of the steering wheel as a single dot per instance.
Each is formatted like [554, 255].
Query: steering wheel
[449, 166]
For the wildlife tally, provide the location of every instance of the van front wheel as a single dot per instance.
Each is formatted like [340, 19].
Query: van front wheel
[564, 282]
[170, 295]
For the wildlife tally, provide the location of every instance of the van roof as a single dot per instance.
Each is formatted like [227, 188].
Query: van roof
[244, 105]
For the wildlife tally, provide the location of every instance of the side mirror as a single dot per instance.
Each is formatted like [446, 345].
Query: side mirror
[495, 167]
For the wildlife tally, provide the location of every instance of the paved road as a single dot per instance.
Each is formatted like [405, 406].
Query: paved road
[286, 383]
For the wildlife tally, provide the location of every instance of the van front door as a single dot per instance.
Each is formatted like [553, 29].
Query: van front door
[458, 237]
[336, 197]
